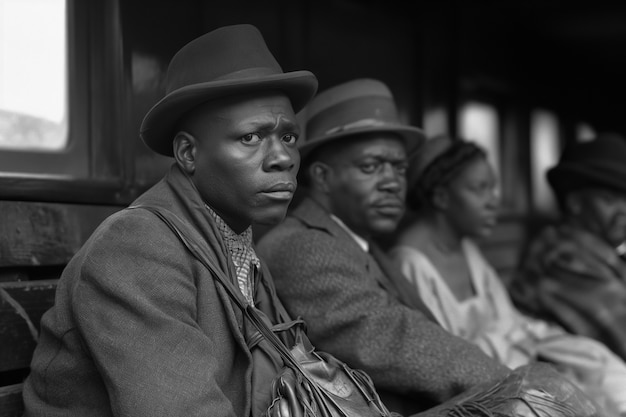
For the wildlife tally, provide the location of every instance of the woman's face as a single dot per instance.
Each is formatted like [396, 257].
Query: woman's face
[602, 212]
[471, 200]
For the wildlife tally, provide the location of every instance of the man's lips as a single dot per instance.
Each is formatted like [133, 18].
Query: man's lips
[389, 207]
[281, 191]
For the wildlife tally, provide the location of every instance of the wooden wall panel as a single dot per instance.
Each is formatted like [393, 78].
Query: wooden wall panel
[42, 234]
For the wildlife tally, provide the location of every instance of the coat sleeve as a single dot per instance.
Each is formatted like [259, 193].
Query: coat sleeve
[136, 305]
[350, 316]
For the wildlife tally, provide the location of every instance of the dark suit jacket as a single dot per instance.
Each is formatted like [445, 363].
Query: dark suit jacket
[140, 327]
[323, 275]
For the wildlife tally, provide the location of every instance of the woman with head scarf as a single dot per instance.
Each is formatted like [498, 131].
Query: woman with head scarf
[453, 194]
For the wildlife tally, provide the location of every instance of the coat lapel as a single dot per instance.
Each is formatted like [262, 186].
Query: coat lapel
[387, 275]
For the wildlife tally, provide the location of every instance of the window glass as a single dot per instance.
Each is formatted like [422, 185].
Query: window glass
[33, 75]
[479, 122]
[584, 132]
[545, 150]
[435, 121]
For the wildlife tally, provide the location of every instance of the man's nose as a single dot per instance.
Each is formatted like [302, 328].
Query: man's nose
[392, 179]
[281, 156]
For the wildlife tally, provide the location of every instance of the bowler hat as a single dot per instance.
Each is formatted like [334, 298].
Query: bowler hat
[599, 163]
[355, 107]
[229, 60]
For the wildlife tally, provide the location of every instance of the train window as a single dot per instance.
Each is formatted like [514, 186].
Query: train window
[44, 90]
[435, 121]
[479, 122]
[33, 75]
[544, 153]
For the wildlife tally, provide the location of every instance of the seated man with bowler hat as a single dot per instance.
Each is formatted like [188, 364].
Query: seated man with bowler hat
[139, 326]
[328, 269]
[574, 271]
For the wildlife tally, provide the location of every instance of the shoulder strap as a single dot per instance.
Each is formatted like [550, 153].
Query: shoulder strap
[184, 233]
[187, 236]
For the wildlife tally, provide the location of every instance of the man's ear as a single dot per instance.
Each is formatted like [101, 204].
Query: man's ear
[185, 147]
[440, 198]
[318, 175]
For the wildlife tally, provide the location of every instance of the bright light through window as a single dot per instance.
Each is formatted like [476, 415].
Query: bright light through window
[33, 74]
[584, 132]
[478, 122]
[545, 151]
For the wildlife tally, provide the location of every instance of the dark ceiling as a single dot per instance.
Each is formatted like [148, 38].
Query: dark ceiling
[569, 53]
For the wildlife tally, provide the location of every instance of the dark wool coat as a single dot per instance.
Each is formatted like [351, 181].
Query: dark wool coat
[139, 327]
[573, 277]
[323, 275]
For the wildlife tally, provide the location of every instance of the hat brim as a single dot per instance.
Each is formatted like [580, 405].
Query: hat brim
[413, 137]
[566, 178]
[157, 127]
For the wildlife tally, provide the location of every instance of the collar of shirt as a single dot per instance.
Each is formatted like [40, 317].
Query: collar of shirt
[359, 240]
[241, 253]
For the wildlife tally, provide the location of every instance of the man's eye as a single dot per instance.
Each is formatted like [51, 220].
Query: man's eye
[290, 139]
[401, 169]
[369, 168]
[251, 138]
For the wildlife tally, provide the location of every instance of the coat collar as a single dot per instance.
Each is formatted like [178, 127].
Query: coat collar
[313, 215]
[176, 192]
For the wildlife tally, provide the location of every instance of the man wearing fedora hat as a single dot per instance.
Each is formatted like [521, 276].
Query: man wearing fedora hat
[574, 271]
[139, 326]
[328, 269]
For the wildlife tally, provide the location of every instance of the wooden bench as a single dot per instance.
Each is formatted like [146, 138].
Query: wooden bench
[22, 305]
[36, 241]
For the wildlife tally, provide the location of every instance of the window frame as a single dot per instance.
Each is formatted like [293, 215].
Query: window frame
[93, 168]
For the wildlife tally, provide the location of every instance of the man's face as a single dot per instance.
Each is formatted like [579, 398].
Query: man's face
[367, 183]
[603, 212]
[246, 158]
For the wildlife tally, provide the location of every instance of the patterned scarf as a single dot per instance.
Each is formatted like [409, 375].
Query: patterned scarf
[241, 253]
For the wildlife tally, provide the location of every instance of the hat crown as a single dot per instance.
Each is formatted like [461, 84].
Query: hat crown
[226, 61]
[598, 163]
[230, 52]
[356, 104]
[606, 148]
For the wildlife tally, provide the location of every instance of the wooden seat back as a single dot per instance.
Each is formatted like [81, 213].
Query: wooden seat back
[36, 242]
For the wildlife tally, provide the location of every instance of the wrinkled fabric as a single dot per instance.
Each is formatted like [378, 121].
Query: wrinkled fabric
[577, 280]
[139, 327]
[323, 275]
[529, 391]
[490, 320]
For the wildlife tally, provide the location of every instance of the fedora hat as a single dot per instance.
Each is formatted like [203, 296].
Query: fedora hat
[355, 107]
[600, 163]
[229, 60]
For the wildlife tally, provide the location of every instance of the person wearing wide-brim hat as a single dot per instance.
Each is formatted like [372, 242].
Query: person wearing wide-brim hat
[357, 107]
[574, 271]
[595, 164]
[139, 326]
[328, 269]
